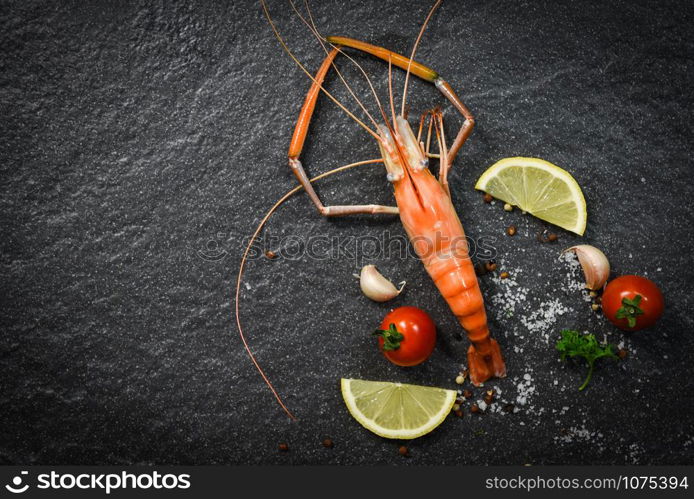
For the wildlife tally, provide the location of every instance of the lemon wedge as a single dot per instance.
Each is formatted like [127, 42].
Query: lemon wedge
[538, 187]
[397, 410]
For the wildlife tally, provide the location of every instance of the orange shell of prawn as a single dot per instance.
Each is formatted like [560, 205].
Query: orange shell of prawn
[433, 226]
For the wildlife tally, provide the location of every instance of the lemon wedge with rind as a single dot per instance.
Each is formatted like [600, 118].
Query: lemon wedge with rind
[397, 410]
[538, 187]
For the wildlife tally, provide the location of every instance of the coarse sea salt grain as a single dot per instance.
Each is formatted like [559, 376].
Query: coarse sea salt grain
[579, 434]
[525, 389]
[540, 321]
[509, 296]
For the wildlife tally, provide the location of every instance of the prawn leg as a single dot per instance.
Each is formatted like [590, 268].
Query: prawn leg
[297, 145]
[424, 73]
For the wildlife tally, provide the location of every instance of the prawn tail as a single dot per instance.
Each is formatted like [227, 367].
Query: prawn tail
[455, 278]
[485, 361]
[484, 355]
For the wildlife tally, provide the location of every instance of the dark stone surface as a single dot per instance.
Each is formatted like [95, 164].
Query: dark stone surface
[137, 140]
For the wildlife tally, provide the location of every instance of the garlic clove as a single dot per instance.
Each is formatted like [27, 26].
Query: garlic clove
[596, 267]
[377, 287]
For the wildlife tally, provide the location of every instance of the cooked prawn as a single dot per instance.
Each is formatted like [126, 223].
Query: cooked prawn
[423, 200]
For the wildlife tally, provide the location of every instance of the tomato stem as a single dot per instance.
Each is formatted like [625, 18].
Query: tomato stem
[630, 310]
[391, 337]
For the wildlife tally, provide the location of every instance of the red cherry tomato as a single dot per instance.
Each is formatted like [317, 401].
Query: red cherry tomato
[407, 336]
[631, 302]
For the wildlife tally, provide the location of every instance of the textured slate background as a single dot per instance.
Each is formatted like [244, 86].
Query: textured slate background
[142, 143]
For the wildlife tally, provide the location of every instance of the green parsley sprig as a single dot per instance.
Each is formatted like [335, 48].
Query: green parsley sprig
[573, 344]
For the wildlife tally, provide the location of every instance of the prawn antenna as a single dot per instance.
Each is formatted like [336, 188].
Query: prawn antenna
[244, 259]
[301, 66]
[390, 87]
[414, 51]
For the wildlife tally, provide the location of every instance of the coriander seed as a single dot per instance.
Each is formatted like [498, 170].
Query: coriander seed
[480, 269]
